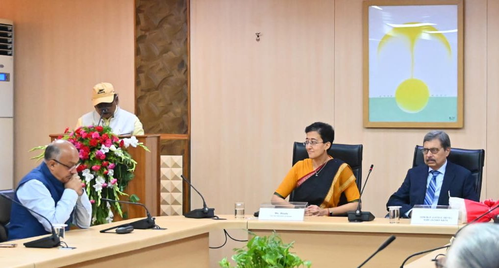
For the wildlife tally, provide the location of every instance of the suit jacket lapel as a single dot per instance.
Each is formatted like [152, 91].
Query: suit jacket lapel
[421, 185]
[443, 199]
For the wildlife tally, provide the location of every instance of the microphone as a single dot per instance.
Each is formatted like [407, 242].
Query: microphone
[50, 241]
[422, 252]
[146, 223]
[103, 111]
[199, 213]
[383, 246]
[451, 240]
[358, 215]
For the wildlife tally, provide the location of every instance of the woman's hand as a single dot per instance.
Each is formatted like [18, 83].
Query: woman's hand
[314, 210]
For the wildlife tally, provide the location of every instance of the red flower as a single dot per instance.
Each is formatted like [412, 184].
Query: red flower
[94, 142]
[105, 172]
[105, 163]
[95, 167]
[80, 168]
[99, 128]
[83, 155]
[66, 130]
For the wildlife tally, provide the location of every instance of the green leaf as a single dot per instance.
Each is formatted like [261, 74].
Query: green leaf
[267, 251]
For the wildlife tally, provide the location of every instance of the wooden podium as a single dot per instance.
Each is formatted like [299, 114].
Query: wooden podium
[146, 182]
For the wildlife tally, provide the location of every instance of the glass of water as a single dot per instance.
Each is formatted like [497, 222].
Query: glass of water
[394, 214]
[239, 210]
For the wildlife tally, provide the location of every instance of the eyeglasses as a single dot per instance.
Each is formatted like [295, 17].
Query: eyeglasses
[68, 167]
[312, 142]
[432, 150]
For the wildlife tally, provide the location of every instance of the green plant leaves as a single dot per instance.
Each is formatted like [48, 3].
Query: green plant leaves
[265, 252]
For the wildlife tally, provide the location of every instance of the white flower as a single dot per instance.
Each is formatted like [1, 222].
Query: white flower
[118, 152]
[131, 141]
[110, 172]
[104, 149]
[88, 176]
[112, 148]
[98, 183]
[110, 217]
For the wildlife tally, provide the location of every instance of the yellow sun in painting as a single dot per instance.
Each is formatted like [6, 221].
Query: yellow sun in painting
[412, 95]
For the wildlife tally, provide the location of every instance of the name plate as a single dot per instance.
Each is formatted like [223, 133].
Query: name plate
[281, 214]
[427, 216]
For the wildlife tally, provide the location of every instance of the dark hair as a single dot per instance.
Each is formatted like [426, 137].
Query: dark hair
[52, 152]
[325, 130]
[440, 135]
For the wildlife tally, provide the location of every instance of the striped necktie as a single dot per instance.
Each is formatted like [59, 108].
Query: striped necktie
[430, 191]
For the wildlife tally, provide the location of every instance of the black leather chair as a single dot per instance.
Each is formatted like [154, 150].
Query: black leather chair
[349, 153]
[473, 160]
[5, 205]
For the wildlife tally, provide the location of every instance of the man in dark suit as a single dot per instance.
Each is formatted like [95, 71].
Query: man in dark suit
[432, 183]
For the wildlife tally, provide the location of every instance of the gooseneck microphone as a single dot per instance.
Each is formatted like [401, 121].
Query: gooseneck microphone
[383, 246]
[420, 253]
[103, 111]
[358, 215]
[147, 223]
[199, 213]
[50, 241]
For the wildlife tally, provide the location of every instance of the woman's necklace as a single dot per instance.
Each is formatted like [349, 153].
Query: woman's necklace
[323, 166]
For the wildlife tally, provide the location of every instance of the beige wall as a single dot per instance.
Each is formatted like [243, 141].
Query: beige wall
[251, 100]
[62, 49]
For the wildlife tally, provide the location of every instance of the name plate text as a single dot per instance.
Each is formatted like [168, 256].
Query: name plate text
[281, 214]
[428, 216]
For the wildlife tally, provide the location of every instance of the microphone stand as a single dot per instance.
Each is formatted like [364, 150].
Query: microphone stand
[45, 242]
[358, 215]
[383, 246]
[104, 111]
[199, 213]
[147, 223]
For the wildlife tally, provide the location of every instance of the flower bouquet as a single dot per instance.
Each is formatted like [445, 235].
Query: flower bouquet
[106, 167]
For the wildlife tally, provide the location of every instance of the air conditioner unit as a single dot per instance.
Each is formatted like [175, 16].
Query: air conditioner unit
[7, 103]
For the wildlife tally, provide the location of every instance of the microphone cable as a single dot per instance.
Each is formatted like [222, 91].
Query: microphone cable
[226, 234]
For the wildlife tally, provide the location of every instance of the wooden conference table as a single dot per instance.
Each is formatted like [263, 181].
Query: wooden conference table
[326, 241]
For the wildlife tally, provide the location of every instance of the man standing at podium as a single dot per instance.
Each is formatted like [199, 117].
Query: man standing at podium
[431, 184]
[108, 113]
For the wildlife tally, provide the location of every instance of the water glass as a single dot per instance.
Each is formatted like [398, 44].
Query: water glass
[60, 229]
[239, 210]
[394, 214]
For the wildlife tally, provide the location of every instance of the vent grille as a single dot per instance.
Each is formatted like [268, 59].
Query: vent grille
[6, 39]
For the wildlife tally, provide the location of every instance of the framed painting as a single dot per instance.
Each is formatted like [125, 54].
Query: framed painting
[413, 63]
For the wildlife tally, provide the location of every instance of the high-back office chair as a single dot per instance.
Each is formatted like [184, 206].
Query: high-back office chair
[349, 153]
[473, 160]
[5, 205]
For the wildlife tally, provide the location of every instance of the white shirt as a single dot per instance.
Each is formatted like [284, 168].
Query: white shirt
[122, 122]
[35, 196]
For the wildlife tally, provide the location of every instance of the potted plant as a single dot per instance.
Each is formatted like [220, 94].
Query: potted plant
[263, 252]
